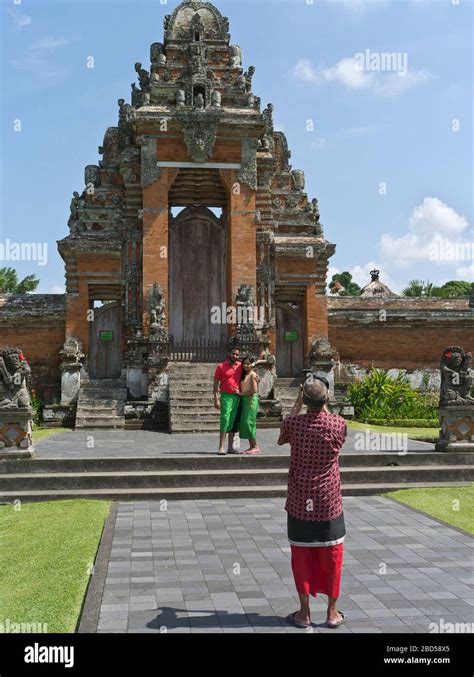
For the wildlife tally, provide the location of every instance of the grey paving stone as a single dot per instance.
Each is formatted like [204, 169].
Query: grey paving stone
[193, 547]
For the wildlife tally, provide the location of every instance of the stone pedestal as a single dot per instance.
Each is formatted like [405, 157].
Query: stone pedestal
[16, 428]
[70, 383]
[70, 371]
[457, 428]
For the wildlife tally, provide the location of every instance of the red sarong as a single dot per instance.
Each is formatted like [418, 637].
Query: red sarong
[317, 569]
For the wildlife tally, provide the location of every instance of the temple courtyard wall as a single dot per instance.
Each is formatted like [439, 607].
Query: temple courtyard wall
[400, 333]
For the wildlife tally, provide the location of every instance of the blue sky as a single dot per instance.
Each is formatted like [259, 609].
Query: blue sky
[388, 155]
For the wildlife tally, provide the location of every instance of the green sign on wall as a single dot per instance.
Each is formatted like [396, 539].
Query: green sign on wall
[291, 336]
[106, 335]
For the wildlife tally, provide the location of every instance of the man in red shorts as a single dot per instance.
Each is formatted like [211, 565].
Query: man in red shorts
[227, 379]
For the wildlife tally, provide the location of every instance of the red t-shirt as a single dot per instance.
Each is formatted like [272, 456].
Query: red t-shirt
[314, 477]
[229, 376]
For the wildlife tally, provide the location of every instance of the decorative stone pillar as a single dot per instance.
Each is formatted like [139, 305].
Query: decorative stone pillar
[456, 406]
[321, 361]
[16, 412]
[71, 371]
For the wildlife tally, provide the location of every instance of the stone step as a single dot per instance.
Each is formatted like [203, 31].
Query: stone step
[102, 394]
[233, 478]
[196, 493]
[200, 461]
[104, 382]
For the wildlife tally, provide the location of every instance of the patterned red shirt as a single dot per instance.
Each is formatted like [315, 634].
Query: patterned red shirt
[314, 483]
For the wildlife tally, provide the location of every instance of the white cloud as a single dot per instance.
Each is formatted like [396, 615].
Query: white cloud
[436, 234]
[49, 43]
[348, 73]
[57, 289]
[20, 20]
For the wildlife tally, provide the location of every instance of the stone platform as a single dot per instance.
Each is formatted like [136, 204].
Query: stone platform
[122, 465]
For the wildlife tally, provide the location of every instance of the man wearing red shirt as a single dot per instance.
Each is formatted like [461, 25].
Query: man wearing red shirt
[227, 379]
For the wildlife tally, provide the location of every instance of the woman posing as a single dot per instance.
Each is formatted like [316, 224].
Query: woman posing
[248, 393]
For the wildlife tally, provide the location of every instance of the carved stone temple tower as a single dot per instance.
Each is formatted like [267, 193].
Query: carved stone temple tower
[194, 138]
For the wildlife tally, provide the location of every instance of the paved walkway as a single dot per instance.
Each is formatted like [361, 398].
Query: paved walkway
[141, 443]
[223, 566]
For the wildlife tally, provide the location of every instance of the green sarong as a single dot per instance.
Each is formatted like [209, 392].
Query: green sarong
[248, 420]
[229, 407]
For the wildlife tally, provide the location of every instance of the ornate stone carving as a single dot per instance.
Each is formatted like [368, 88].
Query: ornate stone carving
[456, 406]
[199, 101]
[216, 99]
[456, 377]
[150, 171]
[248, 172]
[321, 361]
[14, 370]
[180, 97]
[70, 371]
[298, 179]
[157, 54]
[157, 311]
[245, 310]
[92, 175]
[143, 77]
[200, 133]
[235, 56]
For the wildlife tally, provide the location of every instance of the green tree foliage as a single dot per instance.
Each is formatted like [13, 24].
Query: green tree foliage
[450, 290]
[342, 285]
[10, 284]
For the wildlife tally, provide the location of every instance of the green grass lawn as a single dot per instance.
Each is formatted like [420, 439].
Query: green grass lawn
[43, 433]
[47, 552]
[413, 433]
[454, 505]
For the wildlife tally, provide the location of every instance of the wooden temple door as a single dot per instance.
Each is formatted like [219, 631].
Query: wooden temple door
[197, 275]
[290, 352]
[105, 350]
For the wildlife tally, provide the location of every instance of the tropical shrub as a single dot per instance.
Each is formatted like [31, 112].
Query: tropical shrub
[382, 396]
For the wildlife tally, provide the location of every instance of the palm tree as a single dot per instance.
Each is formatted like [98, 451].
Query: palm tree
[9, 283]
[418, 288]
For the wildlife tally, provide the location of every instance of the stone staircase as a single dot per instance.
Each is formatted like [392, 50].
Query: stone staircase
[101, 404]
[191, 477]
[191, 400]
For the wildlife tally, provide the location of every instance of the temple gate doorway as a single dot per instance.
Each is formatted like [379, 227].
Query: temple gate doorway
[290, 353]
[105, 351]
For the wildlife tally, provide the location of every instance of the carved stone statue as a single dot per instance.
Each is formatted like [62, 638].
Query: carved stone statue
[248, 79]
[235, 56]
[75, 203]
[456, 377]
[245, 310]
[157, 54]
[14, 370]
[143, 77]
[157, 310]
[298, 179]
[180, 97]
[456, 404]
[199, 101]
[313, 209]
[216, 98]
